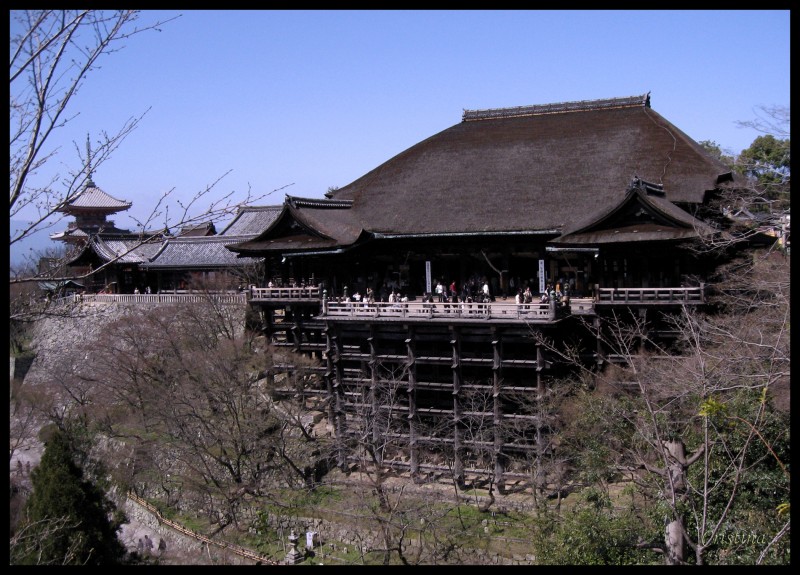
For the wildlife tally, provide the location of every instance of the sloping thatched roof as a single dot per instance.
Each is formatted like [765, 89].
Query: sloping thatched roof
[639, 216]
[536, 169]
[306, 225]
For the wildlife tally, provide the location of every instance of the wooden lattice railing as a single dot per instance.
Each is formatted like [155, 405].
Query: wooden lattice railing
[241, 551]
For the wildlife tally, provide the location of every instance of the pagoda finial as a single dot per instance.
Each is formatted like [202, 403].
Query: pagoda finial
[89, 181]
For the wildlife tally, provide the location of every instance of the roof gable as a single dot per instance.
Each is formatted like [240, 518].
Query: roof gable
[642, 214]
[306, 224]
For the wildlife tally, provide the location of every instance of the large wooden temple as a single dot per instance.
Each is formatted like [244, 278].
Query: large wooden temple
[591, 203]
[594, 198]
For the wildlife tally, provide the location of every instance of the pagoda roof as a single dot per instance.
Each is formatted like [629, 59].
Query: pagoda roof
[92, 198]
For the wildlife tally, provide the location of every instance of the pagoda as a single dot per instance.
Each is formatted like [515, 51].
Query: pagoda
[90, 208]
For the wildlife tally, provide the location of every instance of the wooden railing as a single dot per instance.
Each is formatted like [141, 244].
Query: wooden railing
[164, 297]
[239, 550]
[286, 293]
[425, 310]
[694, 295]
[414, 309]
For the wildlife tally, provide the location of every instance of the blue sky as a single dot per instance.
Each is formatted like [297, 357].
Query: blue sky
[314, 99]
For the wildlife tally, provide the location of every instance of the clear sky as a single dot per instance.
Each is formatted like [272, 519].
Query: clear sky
[315, 99]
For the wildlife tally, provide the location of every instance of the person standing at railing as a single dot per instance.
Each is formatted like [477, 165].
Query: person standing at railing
[136, 290]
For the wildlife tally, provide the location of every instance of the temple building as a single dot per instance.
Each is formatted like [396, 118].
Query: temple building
[589, 205]
[194, 258]
[90, 208]
[432, 290]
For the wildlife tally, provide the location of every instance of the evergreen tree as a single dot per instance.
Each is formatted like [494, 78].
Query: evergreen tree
[768, 160]
[67, 518]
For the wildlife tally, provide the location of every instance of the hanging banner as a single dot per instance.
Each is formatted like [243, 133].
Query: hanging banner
[428, 276]
[541, 276]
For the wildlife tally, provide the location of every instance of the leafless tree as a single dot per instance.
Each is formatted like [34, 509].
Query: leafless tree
[26, 541]
[773, 120]
[53, 54]
[698, 411]
[195, 379]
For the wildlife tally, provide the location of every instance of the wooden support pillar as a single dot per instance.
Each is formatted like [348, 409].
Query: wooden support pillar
[458, 464]
[598, 324]
[329, 377]
[338, 399]
[297, 333]
[374, 395]
[316, 337]
[413, 422]
[497, 410]
[268, 319]
[644, 330]
[538, 474]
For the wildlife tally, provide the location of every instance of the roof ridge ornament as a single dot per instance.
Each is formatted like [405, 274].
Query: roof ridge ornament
[558, 108]
[89, 182]
[647, 187]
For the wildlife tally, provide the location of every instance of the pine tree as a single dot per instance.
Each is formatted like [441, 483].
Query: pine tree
[67, 518]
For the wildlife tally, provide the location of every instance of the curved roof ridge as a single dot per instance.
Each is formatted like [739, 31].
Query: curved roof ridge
[298, 202]
[557, 108]
[93, 197]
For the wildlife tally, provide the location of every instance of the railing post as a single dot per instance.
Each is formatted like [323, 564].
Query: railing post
[324, 302]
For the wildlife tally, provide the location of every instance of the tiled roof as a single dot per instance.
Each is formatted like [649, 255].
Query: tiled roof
[93, 197]
[129, 250]
[71, 233]
[202, 229]
[251, 220]
[198, 253]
